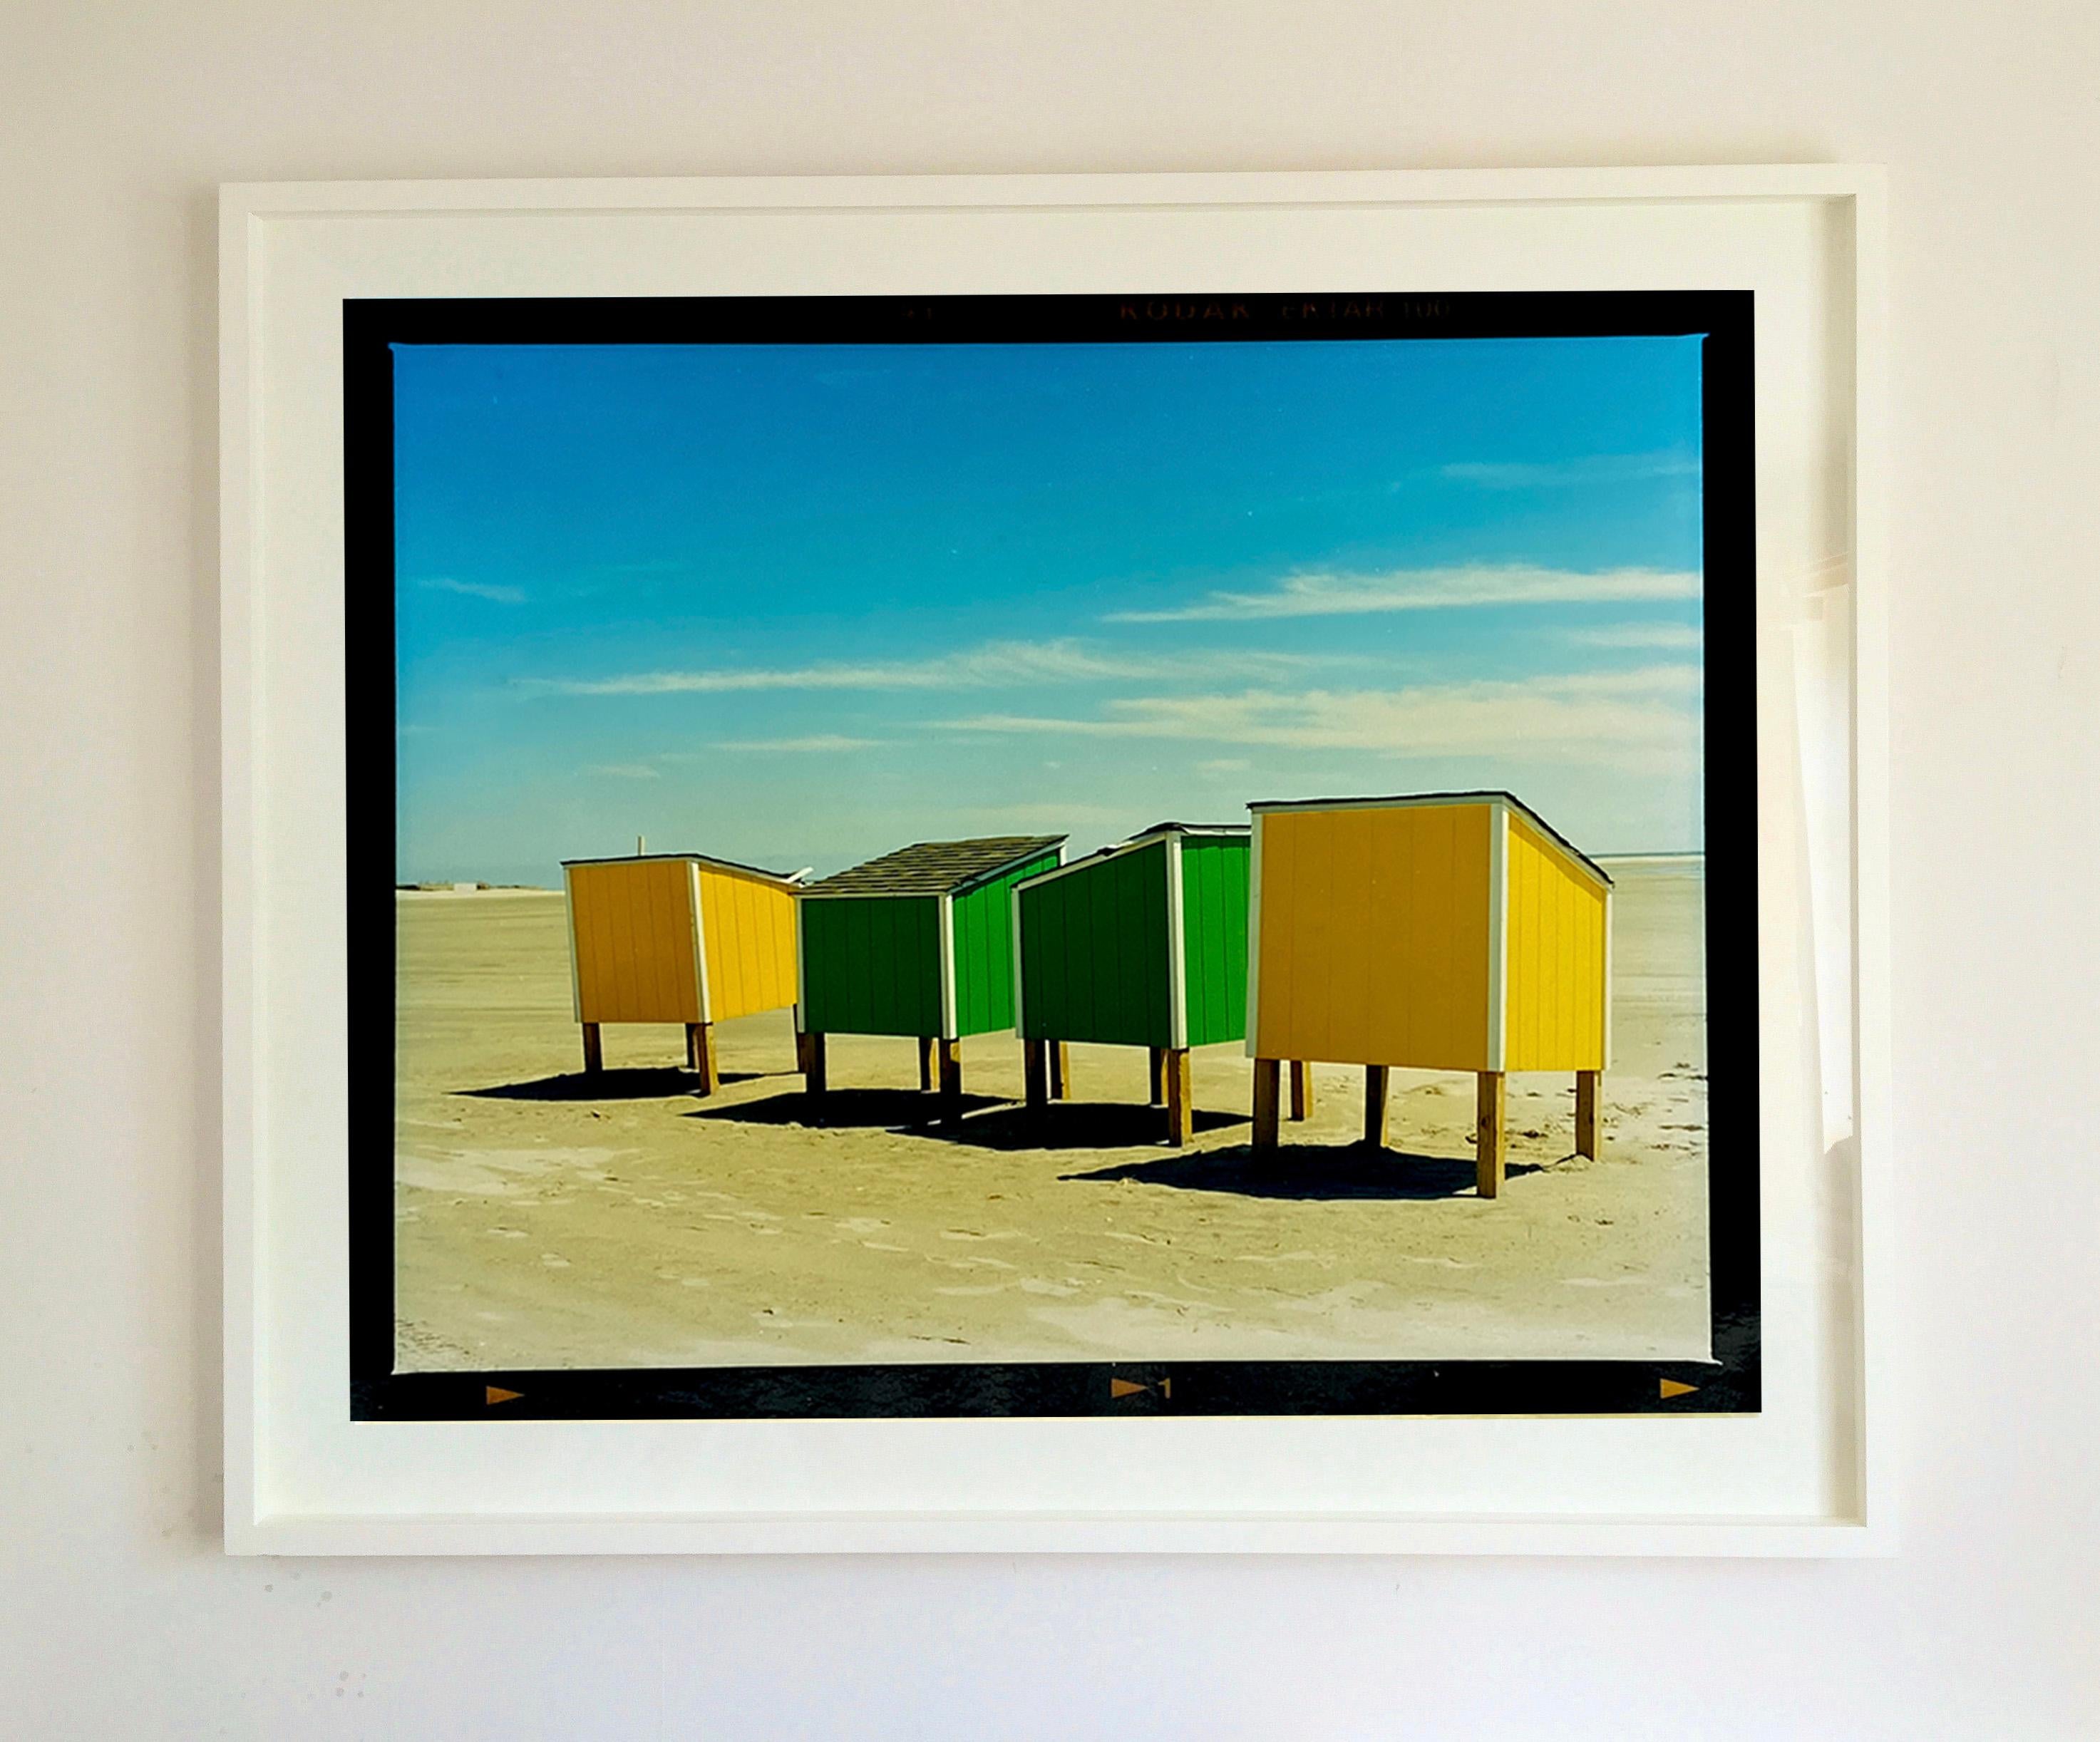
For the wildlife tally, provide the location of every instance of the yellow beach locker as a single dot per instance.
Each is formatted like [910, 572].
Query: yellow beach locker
[1434, 931]
[678, 937]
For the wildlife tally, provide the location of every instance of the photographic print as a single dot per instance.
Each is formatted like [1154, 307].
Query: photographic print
[1051, 855]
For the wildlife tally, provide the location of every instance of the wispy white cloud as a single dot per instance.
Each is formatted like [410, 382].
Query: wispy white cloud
[1047, 817]
[1589, 469]
[1225, 765]
[1064, 661]
[1655, 636]
[475, 589]
[1457, 589]
[626, 771]
[819, 741]
[1578, 716]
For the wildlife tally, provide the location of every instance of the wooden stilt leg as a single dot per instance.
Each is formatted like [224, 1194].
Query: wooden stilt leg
[1266, 1083]
[1158, 1098]
[801, 1053]
[1374, 1088]
[1301, 1089]
[700, 1055]
[1035, 1072]
[951, 1080]
[927, 1045]
[813, 1077]
[593, 1051]
[1061, 1070]
[1589, 1114]
[1490, 1131]
[1180, 1108]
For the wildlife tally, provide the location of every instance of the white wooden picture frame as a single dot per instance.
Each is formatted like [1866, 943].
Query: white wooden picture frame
[1809, 1474]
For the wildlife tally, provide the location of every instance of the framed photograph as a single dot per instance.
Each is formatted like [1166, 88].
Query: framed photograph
[1161, 862]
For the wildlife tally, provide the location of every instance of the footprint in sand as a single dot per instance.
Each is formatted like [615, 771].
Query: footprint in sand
[507, 1234]
[554, 1261]
[861, 1224]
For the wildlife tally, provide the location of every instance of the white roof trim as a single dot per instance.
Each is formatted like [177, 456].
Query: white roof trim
[784, 879]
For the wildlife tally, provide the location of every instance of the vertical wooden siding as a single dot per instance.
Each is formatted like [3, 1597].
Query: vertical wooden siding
[1374, 937]
[872, 965]
[1093, 947]
[1214, 924]
[984, 950]
[633, 926]
[1556, 959]
[749, 926]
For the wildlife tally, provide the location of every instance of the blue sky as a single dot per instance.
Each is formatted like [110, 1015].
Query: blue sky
[797, 605]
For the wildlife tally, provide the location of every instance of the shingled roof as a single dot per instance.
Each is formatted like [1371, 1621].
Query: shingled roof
[936, 867]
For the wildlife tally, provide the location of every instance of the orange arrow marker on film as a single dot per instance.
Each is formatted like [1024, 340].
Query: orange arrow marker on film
[497, 1394]
[1672, 1388]
[1126, 1387]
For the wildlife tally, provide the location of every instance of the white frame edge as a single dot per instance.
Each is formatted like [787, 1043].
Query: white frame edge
[812, 193]
[1498, 927]
[1013, 920]
[802, 971]
[1607, 1052]
[1866, 188]
[241, 753]
[1253, 930]
[700, 945]
[1177, 951]
[1023, 1533]
[576, 963]
[947, 921]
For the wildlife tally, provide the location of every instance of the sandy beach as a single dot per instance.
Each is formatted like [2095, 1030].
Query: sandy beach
[545, 1221]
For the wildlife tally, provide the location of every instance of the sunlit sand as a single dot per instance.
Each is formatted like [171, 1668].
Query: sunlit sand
[547, 1221]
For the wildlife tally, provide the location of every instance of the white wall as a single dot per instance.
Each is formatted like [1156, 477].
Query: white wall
[117, 1615]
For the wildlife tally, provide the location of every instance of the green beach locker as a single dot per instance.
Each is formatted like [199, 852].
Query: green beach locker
[1142, 944]
[917, 943]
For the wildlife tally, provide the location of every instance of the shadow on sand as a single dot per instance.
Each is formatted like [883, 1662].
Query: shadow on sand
[988, 1122]
[1078, 1125]
[1308, 1173]
[654, 1082]
[899, 1109]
